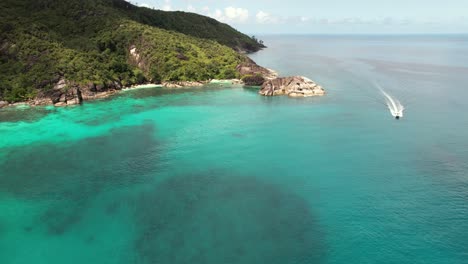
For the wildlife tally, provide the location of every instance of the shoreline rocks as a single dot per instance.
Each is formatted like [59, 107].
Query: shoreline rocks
[271, 84]
[183, 84]
[250, 68]
[294, 86]
[253, 80]
[66, 93]
[62, 94]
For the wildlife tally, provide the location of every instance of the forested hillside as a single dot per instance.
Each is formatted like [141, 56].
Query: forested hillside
[111, 44]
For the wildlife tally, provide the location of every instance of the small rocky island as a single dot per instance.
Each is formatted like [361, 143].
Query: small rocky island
[295, 86]
[271, 84]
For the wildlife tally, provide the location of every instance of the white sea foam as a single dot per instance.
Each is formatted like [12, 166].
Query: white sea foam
[142, 86]
[393, 104]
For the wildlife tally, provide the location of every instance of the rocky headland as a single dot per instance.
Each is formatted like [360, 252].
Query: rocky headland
[271, 84]
[250, 68]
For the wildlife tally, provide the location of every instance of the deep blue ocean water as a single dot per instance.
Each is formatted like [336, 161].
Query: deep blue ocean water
[222, 175]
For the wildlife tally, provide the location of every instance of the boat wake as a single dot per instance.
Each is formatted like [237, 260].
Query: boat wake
[393, 104]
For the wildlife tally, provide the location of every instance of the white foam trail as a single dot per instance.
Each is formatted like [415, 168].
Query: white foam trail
[395, 107]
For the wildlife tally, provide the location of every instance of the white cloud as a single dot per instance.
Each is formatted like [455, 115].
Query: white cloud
[167, 5]
[218, 14]
[363, 21]
[239, 14]
[145, 5]
[191, 8]
[229, 14]
[263, 17]
[205, 10]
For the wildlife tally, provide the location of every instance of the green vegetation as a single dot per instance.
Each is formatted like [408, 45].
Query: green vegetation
[109, 43]
[191, 24]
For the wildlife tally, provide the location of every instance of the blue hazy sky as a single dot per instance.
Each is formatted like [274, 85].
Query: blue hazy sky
[329, 16]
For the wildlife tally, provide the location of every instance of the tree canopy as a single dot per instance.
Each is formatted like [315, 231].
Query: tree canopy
[109, 41]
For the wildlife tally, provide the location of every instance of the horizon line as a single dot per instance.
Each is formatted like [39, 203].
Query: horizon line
[358, 34]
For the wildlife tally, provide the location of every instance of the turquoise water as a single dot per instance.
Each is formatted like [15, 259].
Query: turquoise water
[221, 175]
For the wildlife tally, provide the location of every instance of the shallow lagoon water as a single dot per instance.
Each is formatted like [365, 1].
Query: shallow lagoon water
[221, 175]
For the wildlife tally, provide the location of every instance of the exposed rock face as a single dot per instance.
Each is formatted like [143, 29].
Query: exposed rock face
[42, 101]
[134, 53]
[250, 68]
[253, 80]
[97, 95]
[296, 86]
[63, 93]
[3, 104]
[182, 84]
[60, 104]
[62, 83]
[135, 58]
[230, 81]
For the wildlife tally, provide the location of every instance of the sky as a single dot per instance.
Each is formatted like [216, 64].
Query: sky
[329, 16]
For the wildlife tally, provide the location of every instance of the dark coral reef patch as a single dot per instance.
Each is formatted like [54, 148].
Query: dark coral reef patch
[226, 219]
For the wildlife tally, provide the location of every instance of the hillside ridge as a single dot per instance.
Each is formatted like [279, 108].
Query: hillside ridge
[52, 46]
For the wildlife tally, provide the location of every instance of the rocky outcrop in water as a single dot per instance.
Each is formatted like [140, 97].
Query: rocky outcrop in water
[253, 80]
[3, 104]
[183, 84]
[295, 86]
[249, 68]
